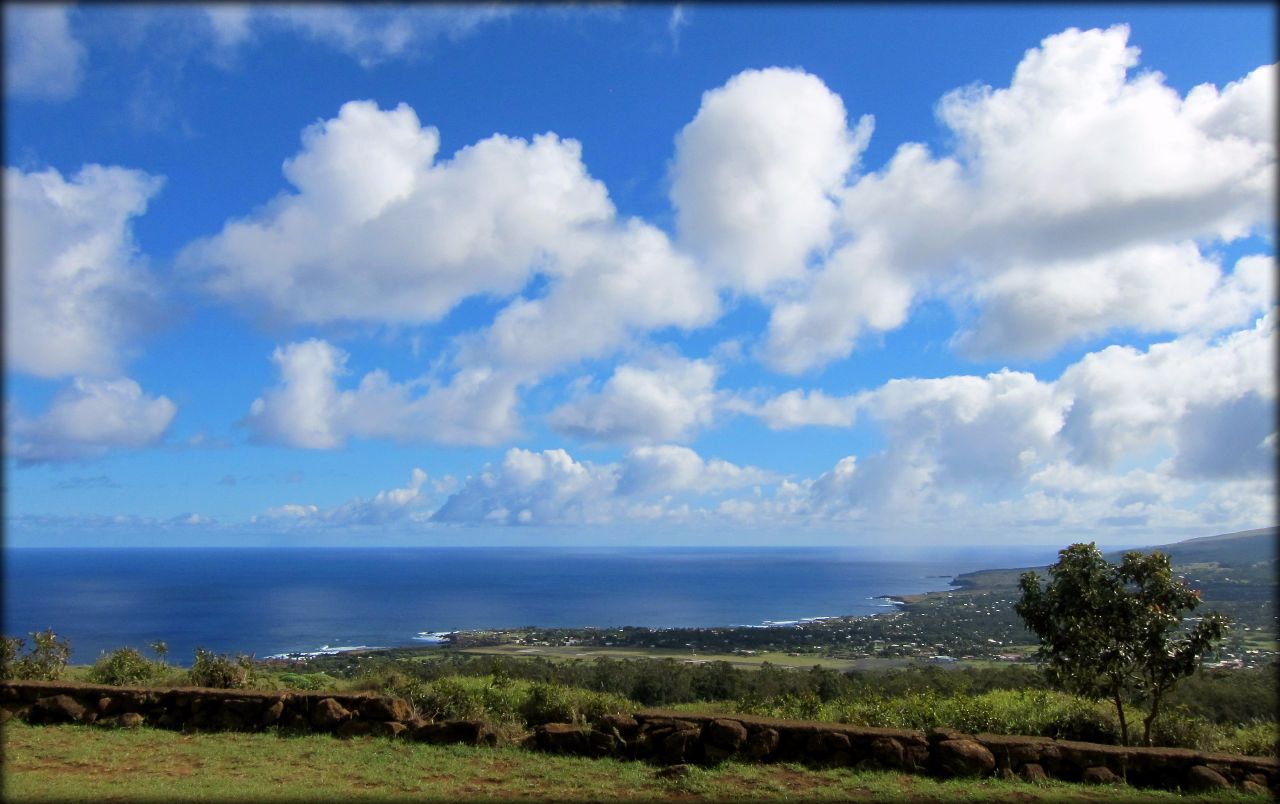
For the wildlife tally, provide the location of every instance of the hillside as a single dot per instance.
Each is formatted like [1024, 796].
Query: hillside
[1226, 550]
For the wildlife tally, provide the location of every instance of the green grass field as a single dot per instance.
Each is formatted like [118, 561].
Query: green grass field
[83, 763]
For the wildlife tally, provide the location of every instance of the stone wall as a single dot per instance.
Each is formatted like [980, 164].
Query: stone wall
[660, 736]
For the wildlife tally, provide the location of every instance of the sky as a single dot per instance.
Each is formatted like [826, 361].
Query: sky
[860, 275]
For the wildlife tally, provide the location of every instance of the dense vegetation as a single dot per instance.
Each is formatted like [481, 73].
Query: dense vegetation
[1227, 710]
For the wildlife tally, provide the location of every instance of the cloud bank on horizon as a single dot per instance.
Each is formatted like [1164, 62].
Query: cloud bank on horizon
[1086, 250]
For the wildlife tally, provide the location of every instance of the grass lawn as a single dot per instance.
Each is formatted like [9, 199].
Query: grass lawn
[77, 763]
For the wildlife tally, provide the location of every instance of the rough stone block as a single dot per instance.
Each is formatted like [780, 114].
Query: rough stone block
[1032, 772]
[1202, 778]
[353, 728]
[386, 709]
[761, 742]
[1099, 774]
[561, 738]
[681, 746]
[328, 713]
[888, 753]
[56, 709]
[729, 735]
[963, 758]
[272, 714]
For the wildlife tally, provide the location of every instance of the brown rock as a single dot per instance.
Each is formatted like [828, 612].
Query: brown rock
[561, 738]
[916, 757]
[679, 771]
[386, 709]
[1099, 774]
[963, 758]
[680, 746]
[295, 722]
[727, 734]
[1202, 779]
[353, 728]
[168, 721]
[271, 715]
[328, 713]
[389, 728]
[1032, 772]
[468, 732]
[56, 709]
[888, 752]
[762, 742]
[626, 726]
[942, 735]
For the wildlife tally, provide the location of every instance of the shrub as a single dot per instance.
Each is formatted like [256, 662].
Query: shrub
[124, 667]
[1257, 739]
[44, 662]
[308, 681]
[221, 671]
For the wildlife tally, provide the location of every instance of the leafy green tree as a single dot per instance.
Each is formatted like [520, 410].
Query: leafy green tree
[1115, 631]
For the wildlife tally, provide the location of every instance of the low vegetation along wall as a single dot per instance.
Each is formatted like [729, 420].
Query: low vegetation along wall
[654, 735]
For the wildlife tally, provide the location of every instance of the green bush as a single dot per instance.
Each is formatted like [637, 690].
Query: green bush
[220, 671]
[1035, 712]
[308, 681]
[1256, 739]
[125, 667]
[44, 662]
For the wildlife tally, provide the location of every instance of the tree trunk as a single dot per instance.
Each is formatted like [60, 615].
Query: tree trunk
[1124, 727]
[1151, 718]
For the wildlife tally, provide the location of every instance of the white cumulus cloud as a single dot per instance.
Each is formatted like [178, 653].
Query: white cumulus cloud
[548, 487]
[75, 286]
[1075, 201]
[755, 175]
[308, 409]
[666, 401]
[378, 231]
[87, 419]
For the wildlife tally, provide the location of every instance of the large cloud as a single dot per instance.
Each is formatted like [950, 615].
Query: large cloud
[43, 59]
[551, 487]
[88, 419]
[1172, 397]
[75, 288]
[666, 401]
[377, 231]
[755, 173]
[1180, 434]
[308, 409]
[1077, 168]
[611, 285]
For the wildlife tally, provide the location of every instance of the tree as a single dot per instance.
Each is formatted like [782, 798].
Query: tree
[1116, 632]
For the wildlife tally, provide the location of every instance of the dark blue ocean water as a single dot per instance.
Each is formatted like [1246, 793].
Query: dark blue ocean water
[268, 600]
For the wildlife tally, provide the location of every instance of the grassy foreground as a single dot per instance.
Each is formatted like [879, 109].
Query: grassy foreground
[77, 763]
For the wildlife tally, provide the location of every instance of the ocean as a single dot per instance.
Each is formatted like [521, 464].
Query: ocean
[269, 601]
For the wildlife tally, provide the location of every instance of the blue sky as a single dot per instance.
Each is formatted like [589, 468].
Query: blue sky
[653, 274]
